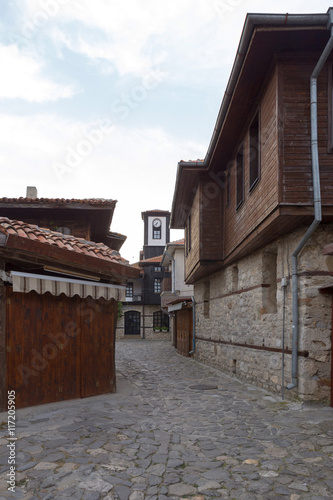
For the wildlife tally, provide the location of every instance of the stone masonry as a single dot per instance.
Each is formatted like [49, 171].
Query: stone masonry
[239, 316]
[146, 322]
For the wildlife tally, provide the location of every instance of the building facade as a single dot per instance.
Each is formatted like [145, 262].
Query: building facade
[141, 315]
[258, 211]
[177, 298]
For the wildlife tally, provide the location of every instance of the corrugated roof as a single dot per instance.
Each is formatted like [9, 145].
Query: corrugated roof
[60, 201]
[67, 242]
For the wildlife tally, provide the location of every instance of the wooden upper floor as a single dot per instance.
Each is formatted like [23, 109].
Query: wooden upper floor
[255, 183]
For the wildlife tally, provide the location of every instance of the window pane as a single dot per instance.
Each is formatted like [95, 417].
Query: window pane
[129, 290]
[160, 321]
[157, 286]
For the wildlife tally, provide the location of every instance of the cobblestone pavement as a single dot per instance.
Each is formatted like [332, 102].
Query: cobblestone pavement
[166, 435]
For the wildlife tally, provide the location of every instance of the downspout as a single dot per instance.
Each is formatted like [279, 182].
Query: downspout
[316, 195]
[193, 325]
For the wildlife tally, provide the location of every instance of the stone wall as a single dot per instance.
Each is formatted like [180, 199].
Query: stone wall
[239, 317]
[146, 323]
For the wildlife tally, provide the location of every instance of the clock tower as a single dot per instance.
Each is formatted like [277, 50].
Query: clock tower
[156, 232]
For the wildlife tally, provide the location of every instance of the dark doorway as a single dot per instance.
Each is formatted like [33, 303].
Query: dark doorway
[132, 323]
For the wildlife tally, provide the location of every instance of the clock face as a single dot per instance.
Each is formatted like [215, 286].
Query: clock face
[156, 222]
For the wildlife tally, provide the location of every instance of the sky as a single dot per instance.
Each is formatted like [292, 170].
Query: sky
[103, 98]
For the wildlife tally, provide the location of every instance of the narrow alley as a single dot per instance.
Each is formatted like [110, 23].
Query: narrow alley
[174, 429]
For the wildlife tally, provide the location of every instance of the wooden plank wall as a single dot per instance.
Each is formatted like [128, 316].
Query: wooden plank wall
[263, 199]
[193, 256]
[58, 348]
[297, 171]
[211, 220]
[184, 331]
[3, 381]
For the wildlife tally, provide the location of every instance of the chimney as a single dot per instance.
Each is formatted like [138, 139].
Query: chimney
[31, 192]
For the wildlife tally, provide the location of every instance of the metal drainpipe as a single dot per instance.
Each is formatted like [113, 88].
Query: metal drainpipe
[193, 325]
[316, 195]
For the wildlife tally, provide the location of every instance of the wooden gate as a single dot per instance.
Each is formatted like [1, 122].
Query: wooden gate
[58, 348]
[184, 331]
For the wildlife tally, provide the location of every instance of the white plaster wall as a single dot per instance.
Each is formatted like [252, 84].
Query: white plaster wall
[162, 241]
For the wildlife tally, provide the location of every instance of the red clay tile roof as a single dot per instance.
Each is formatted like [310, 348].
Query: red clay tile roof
[60, 201]
[156, 260]
[78, 245]
[177, 242]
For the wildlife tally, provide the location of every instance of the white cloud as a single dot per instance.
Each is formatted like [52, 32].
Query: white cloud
[182, 37]
[135, 166]
[21, 77]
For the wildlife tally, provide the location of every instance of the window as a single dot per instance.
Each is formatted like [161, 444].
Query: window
[254, 151]
[157, 269]
[63, 230]
[160, 322]
[157, 286]
[157, 229]
[189, 233]
[240, 177]
[129, 290]
[227, 187]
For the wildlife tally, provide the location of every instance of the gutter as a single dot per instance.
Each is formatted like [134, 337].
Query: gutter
[316, 195]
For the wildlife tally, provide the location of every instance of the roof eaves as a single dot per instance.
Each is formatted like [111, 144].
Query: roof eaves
[69, 257]
[251, 22]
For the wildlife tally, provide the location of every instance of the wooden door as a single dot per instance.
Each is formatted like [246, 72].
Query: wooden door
[97, 347]
[58, 348]
[184, 331]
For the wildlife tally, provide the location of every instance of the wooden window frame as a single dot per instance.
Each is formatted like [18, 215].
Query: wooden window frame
[157, 289]
[189, 233]
[160, 321]
[129, 290]
[240, 177]
[254, 152]
[157, 233]
[227, 188]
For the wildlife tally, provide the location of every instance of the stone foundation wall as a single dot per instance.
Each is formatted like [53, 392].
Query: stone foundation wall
[146, 323]
[239, 317]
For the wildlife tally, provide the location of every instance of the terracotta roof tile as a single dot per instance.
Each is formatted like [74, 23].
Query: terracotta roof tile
[157, 260]
[60, 201]
[177, 242]
[48, 237]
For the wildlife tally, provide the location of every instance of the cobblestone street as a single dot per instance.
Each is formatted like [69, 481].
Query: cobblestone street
[175, 429]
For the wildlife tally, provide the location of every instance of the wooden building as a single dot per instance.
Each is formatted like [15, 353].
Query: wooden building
[85, 218]
[58, 313]
[247, 207]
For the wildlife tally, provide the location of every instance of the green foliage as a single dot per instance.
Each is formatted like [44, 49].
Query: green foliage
[120, 310]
